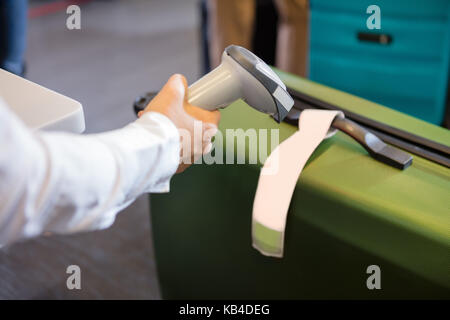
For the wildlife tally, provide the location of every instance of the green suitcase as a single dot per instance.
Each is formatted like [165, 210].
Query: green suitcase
[348, 212]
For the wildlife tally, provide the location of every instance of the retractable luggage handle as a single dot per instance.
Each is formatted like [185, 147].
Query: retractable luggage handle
[374, 145]
[410, 142]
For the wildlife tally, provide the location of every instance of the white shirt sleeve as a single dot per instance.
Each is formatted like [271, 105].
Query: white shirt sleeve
[65, 183]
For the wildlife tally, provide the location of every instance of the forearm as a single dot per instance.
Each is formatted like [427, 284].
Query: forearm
[67, 183]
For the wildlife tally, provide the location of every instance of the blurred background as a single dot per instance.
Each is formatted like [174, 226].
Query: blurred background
[128, 47]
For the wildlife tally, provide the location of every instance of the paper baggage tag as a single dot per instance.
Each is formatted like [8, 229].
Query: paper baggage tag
[279, 177]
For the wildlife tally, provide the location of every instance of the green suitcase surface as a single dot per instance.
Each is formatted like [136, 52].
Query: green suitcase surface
[348, 212]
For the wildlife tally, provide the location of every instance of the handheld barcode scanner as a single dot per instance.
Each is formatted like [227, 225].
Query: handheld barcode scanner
[241, 75]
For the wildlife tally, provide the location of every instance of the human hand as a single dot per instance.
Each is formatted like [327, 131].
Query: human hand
[195, 125]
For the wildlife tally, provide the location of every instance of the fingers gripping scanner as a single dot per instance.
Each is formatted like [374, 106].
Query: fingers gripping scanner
[242, 75]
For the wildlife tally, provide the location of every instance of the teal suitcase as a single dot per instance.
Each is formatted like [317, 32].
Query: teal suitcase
[409, 73]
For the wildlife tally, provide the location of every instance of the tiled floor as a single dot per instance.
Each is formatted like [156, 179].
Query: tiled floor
[123, 49]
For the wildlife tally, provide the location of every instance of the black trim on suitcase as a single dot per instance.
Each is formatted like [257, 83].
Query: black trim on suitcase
[410, 142]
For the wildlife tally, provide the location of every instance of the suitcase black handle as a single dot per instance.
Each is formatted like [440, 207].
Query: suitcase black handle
[380, 38]
[376, 148]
